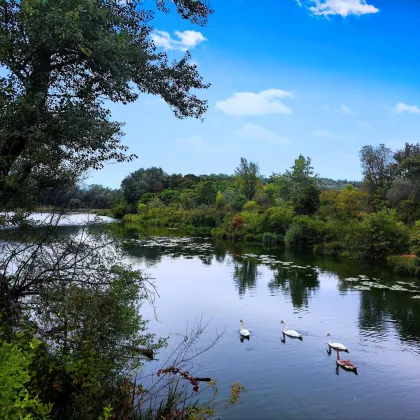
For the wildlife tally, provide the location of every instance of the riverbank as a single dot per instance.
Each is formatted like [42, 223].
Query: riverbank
[379, 236]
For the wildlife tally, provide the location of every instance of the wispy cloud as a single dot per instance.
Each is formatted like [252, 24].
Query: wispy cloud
[402, 107]
[325, 135]
[345, 110]
[339, 7]
[262, 103]
[255, 132]
[187, 40]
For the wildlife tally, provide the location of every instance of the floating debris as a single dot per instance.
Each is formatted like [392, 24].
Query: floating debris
[415, 297]
[352, 279]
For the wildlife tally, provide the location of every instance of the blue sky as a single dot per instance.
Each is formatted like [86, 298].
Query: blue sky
[320, 78]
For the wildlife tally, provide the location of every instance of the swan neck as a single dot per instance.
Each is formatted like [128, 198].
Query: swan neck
[242, 325]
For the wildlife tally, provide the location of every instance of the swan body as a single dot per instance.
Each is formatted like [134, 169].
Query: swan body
[290, 333]
[243, 331]
[336, 346]
[345, 364]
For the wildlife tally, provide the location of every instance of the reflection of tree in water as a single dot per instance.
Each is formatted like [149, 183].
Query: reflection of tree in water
[298, 283]
[245, 273]
[377, 306]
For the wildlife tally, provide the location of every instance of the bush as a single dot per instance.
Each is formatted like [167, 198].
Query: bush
[377, 236]
[120, 209]
[272, 238]
[331, 249]
[278, 219]
[253, 222]
[415, 239]
[304, 231]
[16, 402]
[251, 206]
[404, 264]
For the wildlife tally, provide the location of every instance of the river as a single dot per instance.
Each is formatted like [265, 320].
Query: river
[374, 313]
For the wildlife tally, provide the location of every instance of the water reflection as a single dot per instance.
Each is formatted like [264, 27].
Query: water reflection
[245, 274]
[300, 284]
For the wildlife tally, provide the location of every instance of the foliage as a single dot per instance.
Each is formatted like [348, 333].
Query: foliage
[142, 181]
[415, 239]
[407, 265]
[251, 206]
[378, 168]
[377, 236]
[62, 59]
[16, 400]
[303, 232]
[345, 204]
[247, 175]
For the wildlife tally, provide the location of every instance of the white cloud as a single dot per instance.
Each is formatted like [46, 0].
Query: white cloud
[186, 40]
[339, 7]
[402, 107]
[325, 135]
[345, 110]
[249, 103]
[255, 132]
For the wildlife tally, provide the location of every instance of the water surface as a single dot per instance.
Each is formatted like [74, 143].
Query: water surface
[373, 313]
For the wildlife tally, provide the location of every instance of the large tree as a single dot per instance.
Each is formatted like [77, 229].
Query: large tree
[61, 60]
[299, 186]
[143, 181]
[247, 175]
[378, 168]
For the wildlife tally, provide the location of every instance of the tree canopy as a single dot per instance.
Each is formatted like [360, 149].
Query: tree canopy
[63, 60]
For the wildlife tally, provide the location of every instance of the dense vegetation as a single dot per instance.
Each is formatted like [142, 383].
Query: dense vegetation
[378, 218]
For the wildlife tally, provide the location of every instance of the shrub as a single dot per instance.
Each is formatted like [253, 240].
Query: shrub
[253, 222]
[377, 236]
[304, 231]
[251, 206]
[415, 239]
[404, 264]
[278, 219]
[16, 402]
[272, 238]
[331, 249]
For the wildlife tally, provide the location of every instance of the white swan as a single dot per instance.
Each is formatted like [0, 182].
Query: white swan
[336, 346]
[243, 331]
[290, 333]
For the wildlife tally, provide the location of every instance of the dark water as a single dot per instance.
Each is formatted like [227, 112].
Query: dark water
[295, 379]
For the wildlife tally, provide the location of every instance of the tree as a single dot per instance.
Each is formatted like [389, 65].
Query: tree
[298, 185]
[378, 168]
[247, 175]
[408, 163]
[63, 59]
[143, 181]
[205, 193]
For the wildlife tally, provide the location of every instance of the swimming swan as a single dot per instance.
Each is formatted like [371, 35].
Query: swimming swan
[290, 333]
[346, 364]
[243, 331]
[336, 346]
